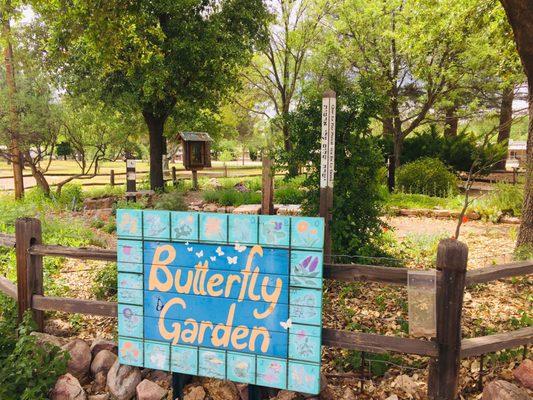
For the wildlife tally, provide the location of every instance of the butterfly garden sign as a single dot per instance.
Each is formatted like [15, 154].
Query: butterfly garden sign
[228, 296]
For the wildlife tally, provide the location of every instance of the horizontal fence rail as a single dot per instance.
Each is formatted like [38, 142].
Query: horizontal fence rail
[451, 267]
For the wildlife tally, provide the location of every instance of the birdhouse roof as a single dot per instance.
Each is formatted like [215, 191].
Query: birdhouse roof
[195, 137]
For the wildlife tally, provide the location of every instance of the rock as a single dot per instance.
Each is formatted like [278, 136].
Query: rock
[349, 395]
[44, 338]
[210, 208]
[99, 382]
[406, 384]
[248, 209]
[104, 396]
[229, 209]
[103, 214]
[80, 359]
[524, 374]
[289, 209]
[102, 362]
[242, 388]
[503, 390]
[214, 183]
[473, 216]
[148, 390]
[441, 213]
[67, 387]
[220, 390]
[327, 393]
[286, 395]
[221, 210]
[505, 219]
[162, 378]
[392, 397]
[98, 204]
[241, 187]
[195, 393]
[122, 381]
[103, 344]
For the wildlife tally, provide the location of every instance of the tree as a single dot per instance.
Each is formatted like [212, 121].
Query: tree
[277, 71]
[7, 10]
[520, 14]
[157, 55]
[421, 55]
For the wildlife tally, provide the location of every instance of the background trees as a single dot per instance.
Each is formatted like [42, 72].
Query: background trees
[156, 55]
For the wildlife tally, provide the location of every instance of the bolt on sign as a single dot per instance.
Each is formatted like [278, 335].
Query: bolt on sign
[235, 297]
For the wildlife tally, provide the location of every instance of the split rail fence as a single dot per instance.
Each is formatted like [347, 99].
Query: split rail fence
[445, 350]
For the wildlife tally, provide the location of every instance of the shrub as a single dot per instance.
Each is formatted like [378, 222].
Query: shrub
[357, 199]
[505, 199]
[231, 197]
[172, 201]
[426, 176]
[105, 283]
[288, 195]
[27, 370]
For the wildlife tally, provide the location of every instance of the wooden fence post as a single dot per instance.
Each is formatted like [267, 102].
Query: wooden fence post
[29, 268]
[112, 177]
[452, 257]
[174, 178]
[267, 187]
[391, 173]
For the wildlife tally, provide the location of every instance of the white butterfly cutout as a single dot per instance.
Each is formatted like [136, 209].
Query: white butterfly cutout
[219, 251]
[189, 249]
[213, 258]
[287, 324]
[186, 243]
[232, 260]
[200, 254]
[239, 247]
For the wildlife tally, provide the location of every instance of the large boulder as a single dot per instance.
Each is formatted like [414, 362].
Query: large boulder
[148, 390]
[102, 363]
[45, 338]
[503, 390]
[103, 344]
[80, 359]
[67, 387]
[122, 381]
[524, 374]
[220, 390]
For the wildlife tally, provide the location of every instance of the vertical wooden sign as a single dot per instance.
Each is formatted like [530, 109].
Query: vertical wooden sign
[327, 163]
[228, 296]
[131, 177]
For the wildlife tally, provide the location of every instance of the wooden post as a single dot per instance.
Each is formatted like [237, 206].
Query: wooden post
[112, 177]
[194, 179]
[267, 187]
[225, 170]
[452, 257]
[29, 268]
[327, 166]
[131, 180]
[174, 178]
[391, 176]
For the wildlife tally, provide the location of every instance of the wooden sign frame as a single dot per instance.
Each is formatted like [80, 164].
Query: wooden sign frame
[228, 296]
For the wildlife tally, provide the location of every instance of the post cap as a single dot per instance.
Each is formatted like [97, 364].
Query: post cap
[329, 94]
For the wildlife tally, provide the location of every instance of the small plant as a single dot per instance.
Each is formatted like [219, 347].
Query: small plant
[28, 370]
[428, 176]
[506, 199]
[377, 364]
[105, 283]
[171, 201]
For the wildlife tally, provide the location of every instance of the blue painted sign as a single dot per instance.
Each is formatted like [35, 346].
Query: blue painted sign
[235, 297]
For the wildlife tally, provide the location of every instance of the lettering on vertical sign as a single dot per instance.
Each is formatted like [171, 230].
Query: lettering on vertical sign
[235, 297]
[327, 143]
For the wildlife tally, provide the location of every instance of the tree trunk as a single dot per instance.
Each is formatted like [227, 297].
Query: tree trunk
[506, 119]
[398, 148]
[39, 177]
[520, 14]
[156, 125]
[451, 121]
[287, 144]
[16, 156]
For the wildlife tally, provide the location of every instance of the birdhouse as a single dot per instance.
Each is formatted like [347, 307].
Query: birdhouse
[196, 150]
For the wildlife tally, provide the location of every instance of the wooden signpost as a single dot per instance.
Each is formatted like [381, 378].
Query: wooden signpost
[327, 164]
[228, 296]
[131, 180]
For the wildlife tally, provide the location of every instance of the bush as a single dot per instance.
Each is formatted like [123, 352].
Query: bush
[357, 200]
[172, 201]
[27, 370]
[428, 176]
[231, 197]
[505, 199]
[105, 283]
[459, 152]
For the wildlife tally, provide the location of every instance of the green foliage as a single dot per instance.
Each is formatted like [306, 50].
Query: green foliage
[459, 152]
[376, 364]
[231, 197]
[428, 176]
[413, 200]
[357, 199]
[173, 201]
[505, 199]
[105, 283]
[27, 370]
[226, 156]
[524, 252]
[63, 149]
[290, 191]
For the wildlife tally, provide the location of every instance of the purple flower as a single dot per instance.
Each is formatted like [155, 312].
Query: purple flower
[309, 264]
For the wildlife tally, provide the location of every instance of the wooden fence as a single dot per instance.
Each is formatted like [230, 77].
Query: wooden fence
[445, 350]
